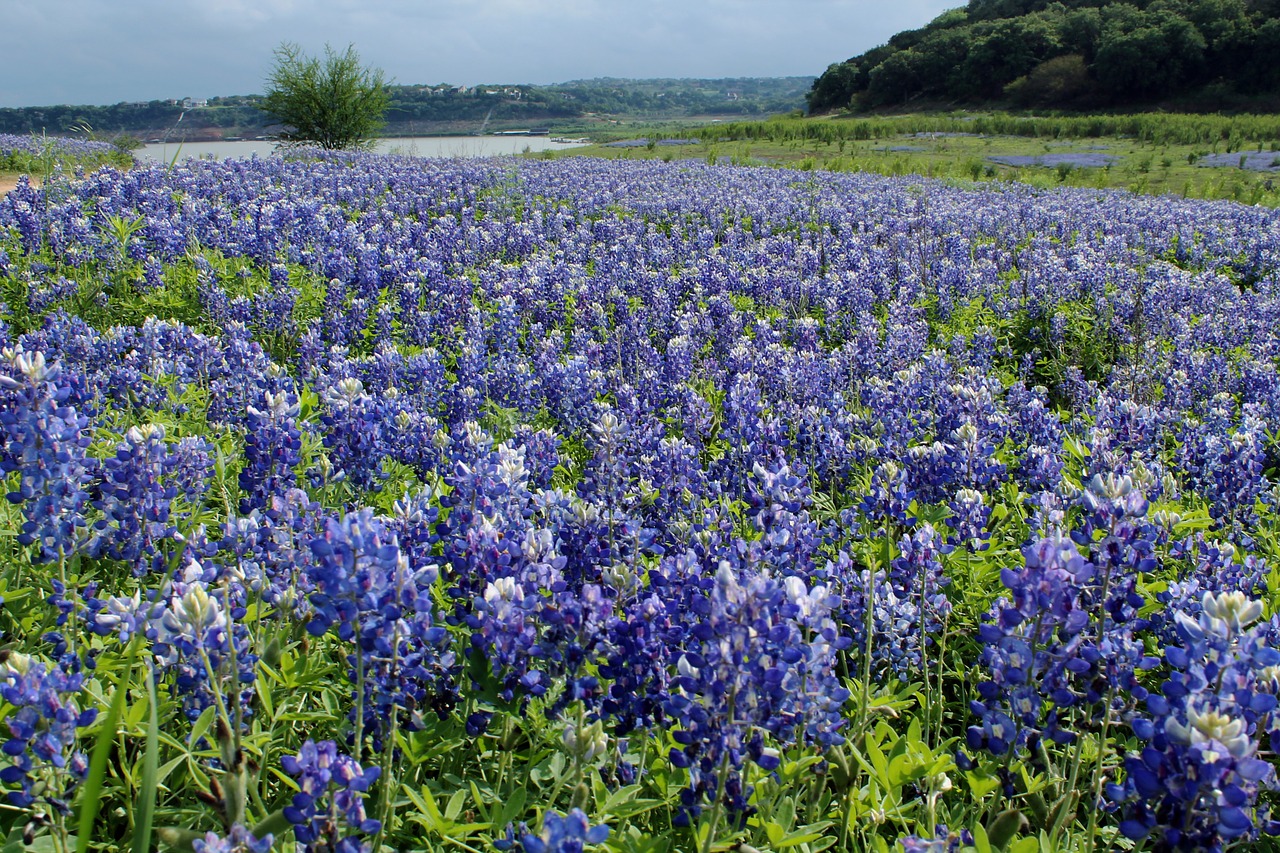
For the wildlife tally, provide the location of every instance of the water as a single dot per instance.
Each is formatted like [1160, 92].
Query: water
[416, 146]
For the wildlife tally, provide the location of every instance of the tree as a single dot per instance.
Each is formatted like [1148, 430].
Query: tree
[333, 101]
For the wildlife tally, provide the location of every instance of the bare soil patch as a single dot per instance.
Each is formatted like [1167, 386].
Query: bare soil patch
[8, 182]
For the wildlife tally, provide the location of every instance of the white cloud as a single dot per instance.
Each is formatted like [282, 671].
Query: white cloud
[99, 51]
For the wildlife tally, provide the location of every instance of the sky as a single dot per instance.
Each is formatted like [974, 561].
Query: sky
[107, 51]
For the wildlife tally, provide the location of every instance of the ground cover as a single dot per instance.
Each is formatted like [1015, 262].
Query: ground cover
[1147, 154]
[373, 502]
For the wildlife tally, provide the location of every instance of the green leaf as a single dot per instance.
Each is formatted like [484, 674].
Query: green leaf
[91, 800]
[480, 804]
[454, 806]
[426, 802]
[1006, 825]
[981, 783]
[511, 809]
[144, 811]
[201, 726]
[980, 841]
[274, 824]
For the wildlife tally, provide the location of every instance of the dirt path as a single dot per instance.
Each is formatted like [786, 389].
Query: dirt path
[8, 182]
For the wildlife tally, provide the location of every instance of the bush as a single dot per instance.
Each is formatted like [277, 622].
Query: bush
[334, 103]
[1060, 80]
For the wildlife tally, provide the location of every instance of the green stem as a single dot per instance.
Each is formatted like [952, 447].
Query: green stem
[359, 703]
[388, 789]
[941, 705]
[868, 627]
[722, 778]
[1097, 772]
[66, 590]
[218, 701]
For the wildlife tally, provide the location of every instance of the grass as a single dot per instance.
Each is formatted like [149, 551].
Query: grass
[1160, 160]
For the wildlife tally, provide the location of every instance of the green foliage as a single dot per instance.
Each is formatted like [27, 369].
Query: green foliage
[1124, 54]
[333, 102]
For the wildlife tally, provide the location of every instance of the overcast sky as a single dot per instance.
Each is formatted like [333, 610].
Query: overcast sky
[106, 51]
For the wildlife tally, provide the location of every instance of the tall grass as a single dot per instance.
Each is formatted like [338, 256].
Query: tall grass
[1153, 128]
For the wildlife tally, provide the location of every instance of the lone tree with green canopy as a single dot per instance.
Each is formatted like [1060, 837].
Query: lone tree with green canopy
[333, 102]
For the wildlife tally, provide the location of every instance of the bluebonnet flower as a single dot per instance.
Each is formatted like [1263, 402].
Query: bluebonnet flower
[1227, 468]
[916, 573]
[328, 812]
[943, 841]
[1068, 637]
[369, 594]
[43, 762]
[45, 440]
[1028, 644]
[273, 446]
[194, 632]
[136, 492]
[238, 840]
[968, 521]
[888, 500]
[561, 833]
[778, 504]
[759, 659]
[269, 550]
[1196, 784]
[355, 424]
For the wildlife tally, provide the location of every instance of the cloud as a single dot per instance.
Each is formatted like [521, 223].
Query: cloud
[94, 51]
[244, 14]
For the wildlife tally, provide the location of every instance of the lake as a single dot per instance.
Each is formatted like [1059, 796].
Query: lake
[417, 146]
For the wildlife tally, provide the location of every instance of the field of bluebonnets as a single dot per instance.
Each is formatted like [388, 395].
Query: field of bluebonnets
[363, 502]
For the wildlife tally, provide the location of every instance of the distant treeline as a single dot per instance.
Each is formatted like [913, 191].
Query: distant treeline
[443, 103]
[142, 119]
[1070, 54]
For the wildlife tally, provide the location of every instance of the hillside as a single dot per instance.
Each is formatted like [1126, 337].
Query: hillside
[1203, 54]
[441, 108]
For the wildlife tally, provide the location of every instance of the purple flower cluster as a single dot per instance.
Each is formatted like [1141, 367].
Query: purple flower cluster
[328, 812]
[667, 468]
[369, 594]
[58, 145]
[561, 833]
[238, 840]
[45, 441]
[1197, 782]
[1066, 636]
[43, 761]
[760, 660]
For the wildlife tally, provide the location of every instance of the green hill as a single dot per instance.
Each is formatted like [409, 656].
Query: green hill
[441, 108]
[1075, 54]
